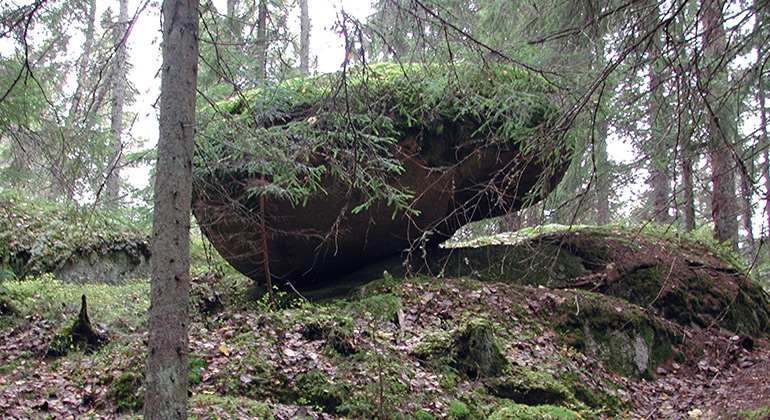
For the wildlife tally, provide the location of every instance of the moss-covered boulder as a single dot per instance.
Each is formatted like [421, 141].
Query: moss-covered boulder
[620, 296]
[627, 340]
[324, 175]
[526, 412]
[672, 276]
[76, 244]
[472, 349]
[532, 388]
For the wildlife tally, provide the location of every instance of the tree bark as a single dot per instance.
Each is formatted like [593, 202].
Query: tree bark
[764, 142]
[304, 38]
[658, 145]
[603, 174]
[83, 63]
[118, 81]
[233, 20]
[167, 361]
[688, 196]
[720, 127]
[747, 209]
[262, 40]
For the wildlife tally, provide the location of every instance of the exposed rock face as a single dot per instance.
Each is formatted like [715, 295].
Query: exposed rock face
[37, 239]
[456, 167]
[113, 266]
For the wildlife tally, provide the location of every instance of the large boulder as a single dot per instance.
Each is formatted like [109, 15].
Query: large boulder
[321, 176]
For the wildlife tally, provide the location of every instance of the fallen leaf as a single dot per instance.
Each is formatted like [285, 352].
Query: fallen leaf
[223, 349]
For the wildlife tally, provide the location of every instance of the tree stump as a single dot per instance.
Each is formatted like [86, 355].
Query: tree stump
[81, 335]
[83, 332]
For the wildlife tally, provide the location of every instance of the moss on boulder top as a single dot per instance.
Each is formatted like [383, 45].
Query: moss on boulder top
[337, 171]
[75, 244]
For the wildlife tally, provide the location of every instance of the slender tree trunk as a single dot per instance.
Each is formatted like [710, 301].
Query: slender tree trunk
[765, 142]
[603, 174]
[603, 171]
[62, 183]
[233, 21]
[84, 63]
[262, 39]
[118, 81]
[304, 37]
[688, 196]
[747, 209]
[720, 126]
[658, 145]
[167, 361]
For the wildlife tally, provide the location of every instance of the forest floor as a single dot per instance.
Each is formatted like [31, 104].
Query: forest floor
[395, 349]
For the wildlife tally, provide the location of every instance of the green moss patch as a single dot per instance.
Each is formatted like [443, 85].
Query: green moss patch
[525, 412]
[528, 387]
[473, 349]
[127, 392]
[296, 134]
[218, 406]
[630, 342]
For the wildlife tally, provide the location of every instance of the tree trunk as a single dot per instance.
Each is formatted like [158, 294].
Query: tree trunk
[167, 361]
[747, 209]
[262, 40]
[603, 174]
[118, 81]
[764, 142]
[83, 63]
[304, 38]
[233, 20]
[83, 333]
[720, 127]
[658, 144]
[688, 196]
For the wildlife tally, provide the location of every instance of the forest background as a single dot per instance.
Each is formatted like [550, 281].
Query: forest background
[666, 99]
[681, 84]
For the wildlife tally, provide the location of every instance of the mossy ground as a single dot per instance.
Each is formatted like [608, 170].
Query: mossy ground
[396, 349]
